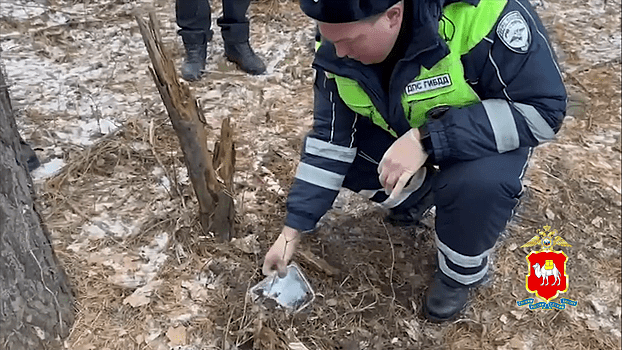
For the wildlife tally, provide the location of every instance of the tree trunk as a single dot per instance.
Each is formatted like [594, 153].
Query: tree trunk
[36, 303]
[212, 187]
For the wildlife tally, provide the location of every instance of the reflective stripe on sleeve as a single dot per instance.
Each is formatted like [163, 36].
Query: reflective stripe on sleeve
[503, 125]
[328, 150]
[538, 126]
[319, 177]
[458, 277]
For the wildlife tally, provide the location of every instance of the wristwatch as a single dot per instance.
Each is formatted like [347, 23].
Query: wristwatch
[426, 140]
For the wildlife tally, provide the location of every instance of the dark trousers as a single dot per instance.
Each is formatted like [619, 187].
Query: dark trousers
[196, 15]
[474, 201]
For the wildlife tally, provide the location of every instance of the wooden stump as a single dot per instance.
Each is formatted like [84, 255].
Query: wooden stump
[213, 187]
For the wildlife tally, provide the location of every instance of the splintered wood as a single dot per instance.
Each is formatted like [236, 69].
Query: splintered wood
[212, 187]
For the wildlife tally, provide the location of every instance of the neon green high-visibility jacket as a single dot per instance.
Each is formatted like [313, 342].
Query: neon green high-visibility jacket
[489, 62]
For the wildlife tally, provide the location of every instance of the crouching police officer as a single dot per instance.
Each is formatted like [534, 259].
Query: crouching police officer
[194, 17]
[421, 102]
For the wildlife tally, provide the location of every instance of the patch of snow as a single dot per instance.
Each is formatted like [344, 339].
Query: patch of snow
[104, 225]
[154, 256]
[86, 132]
[21, 10]
[48, 169]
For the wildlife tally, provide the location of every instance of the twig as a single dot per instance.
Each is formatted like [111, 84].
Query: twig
[248, 287]
[576, 80]
[156, 225]
[155, 154]
[224, 338]
[392, 262]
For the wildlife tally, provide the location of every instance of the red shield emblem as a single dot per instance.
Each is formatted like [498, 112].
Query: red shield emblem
[547, 274]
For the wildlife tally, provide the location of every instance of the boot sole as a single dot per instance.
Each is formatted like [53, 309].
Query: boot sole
[239, 65]
[435, 319]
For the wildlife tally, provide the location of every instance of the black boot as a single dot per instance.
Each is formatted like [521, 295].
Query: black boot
[411, 216]
[444, 300]
[195, 44]
[238, 48]
[28, 156]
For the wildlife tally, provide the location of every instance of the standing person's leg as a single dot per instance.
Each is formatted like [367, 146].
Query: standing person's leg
[474, 201]
[235, 33]
[194, 20]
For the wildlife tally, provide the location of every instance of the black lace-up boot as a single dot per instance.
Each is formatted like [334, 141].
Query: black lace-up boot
[444, 300]
[196, 53]
[238, 49]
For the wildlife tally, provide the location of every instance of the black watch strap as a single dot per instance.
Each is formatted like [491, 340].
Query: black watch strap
[426, 140]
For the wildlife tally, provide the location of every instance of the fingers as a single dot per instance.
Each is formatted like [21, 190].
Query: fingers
[280, 253]
[388, 175]
[271, 267]
[399, 186]
[388, 179]
[268, 266]
[281, 268]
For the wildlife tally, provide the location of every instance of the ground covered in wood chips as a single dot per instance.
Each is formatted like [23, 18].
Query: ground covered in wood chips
[116, 197]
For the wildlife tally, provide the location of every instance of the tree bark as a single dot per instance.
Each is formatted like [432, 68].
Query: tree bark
[36, 303]
[213, 189]
[224, 163]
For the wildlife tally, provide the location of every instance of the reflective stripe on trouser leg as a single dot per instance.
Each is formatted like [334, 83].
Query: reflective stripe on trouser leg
[474, 201]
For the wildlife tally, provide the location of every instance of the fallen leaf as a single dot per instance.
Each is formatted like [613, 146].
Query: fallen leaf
[248, 244]
[141, 295]
[549, 214]
[518, 314]
[297, 346]
[177, 335]
[516, 343]
[136, 300]
[504, 319]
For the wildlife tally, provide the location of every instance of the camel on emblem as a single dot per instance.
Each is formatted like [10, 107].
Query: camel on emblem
[544, 273]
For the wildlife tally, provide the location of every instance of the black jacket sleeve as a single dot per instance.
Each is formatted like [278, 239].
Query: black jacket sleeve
[523, 99]
[328, 151]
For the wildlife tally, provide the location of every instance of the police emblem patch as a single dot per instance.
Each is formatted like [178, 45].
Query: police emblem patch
[514, 32]
[547, 276]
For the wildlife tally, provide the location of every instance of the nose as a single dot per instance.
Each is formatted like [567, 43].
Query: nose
[341, 50]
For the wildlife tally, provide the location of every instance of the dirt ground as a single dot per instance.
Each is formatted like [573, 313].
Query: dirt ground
[116, 197]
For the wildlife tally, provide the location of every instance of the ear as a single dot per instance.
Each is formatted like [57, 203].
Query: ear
[395, 14]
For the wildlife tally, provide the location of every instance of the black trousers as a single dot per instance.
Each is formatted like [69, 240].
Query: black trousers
[196, 15]
[474, 201]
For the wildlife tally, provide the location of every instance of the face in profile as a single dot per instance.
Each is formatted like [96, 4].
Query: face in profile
[366, 41]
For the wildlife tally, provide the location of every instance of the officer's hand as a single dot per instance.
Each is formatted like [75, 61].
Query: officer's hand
[281, 252]
[400, 162]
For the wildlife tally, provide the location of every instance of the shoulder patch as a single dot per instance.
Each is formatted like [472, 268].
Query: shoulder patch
[514, 32]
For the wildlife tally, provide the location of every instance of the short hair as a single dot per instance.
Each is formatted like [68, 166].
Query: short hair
[374, 18]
